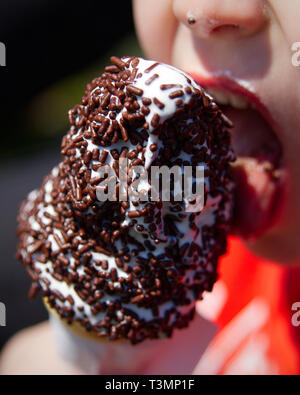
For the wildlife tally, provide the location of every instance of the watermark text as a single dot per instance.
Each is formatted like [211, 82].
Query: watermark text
[2, 55]
[296, 55]
[176, 184]
[296, 315]
[2, 314]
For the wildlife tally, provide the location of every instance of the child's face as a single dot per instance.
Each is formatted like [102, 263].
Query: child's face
[244, 47]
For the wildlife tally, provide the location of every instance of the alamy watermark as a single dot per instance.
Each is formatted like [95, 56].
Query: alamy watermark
[2, 55]
[2, 314]
[176, 184]
[296, 56]
[296, 315]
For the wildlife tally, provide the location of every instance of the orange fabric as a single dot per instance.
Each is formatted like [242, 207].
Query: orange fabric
[253, 283]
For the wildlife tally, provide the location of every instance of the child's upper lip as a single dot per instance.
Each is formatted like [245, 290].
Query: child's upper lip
[226, 82]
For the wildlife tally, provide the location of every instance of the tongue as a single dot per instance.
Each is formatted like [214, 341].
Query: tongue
[255, 171]
[255, 195]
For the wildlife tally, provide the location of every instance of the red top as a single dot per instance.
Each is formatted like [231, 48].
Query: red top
[252, 305]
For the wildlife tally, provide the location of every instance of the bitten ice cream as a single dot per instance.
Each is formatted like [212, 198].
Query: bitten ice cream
[130, 269]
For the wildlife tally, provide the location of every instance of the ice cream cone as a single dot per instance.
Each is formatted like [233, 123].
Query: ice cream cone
[129, 270]
[91, 354]
[76, 327]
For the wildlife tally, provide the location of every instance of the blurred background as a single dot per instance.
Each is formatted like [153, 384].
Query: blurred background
[53, 49]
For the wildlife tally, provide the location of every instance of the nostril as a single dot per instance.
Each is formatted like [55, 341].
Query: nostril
[225, 28]
[206, 17]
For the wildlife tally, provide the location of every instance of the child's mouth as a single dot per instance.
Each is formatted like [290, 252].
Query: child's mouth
[258, 168]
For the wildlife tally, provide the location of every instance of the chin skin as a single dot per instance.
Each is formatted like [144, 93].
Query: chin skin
[275, 249]
[261, 60]
[280, 243]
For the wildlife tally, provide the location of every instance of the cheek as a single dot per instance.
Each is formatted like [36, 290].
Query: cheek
[156, 27]
[287, 17]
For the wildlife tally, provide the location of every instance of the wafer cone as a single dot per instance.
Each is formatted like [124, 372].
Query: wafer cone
[77, 328]
[91, 354]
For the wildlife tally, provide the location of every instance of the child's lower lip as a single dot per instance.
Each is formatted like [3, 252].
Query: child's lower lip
[257, 199]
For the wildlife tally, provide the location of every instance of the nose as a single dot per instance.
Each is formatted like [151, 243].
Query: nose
[208, 17]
